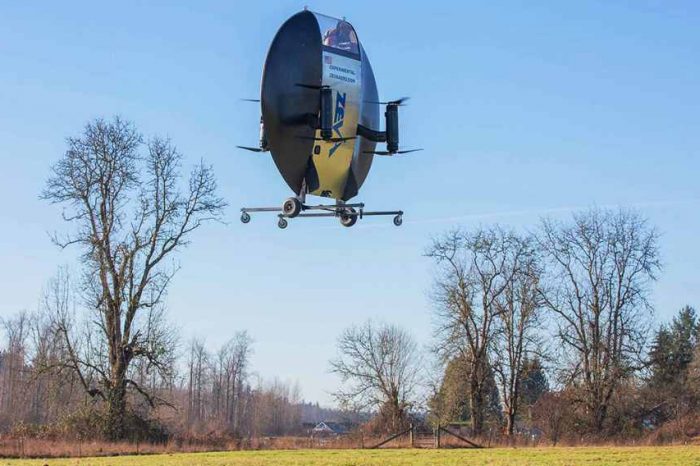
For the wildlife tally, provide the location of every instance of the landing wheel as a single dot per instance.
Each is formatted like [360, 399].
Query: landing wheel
[398, 220]
[291, 207]
[245, 217]
[348, 219]
[282, 223]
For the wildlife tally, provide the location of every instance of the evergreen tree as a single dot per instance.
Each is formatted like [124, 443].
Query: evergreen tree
[451, 403]
[670, 358]
[672, 350]
[533, 383]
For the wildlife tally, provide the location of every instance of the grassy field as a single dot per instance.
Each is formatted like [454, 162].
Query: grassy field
[678, 455]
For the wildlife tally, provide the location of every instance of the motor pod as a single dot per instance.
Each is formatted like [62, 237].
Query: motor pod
[392, 127]
[326, 122]
[263, 135]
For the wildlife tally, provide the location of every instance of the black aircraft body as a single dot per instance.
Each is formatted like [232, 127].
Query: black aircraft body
[320, 118]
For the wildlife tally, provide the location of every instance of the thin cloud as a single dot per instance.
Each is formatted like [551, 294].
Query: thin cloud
[533, 212]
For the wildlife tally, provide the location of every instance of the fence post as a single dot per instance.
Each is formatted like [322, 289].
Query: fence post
[412, 436]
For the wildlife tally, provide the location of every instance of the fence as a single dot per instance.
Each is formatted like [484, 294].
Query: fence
[428, 439]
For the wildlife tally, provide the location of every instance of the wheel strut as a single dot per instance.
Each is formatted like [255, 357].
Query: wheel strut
[295, 208]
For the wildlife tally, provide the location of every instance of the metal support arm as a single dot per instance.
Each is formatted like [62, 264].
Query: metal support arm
[371, 134]
[341, 210]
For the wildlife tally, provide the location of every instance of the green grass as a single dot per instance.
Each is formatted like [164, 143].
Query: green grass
[677, 455]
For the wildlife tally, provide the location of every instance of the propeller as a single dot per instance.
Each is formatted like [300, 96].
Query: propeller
[398, 102]
[386, 152]
[252, 149]
[250, 100]
[310, 86]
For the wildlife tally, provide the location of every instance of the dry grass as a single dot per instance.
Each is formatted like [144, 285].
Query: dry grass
[676, 455]
[47, 448]
[39, 448]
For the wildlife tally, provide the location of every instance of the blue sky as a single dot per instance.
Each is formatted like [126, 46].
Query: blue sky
[524, 108]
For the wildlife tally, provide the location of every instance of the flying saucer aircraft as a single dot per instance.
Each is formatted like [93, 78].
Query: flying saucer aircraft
[320, 118]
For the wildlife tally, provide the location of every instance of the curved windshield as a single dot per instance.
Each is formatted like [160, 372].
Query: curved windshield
[338, 34]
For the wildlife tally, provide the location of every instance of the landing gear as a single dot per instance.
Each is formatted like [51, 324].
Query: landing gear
[292, 207]
[349, 217]
[348, 214]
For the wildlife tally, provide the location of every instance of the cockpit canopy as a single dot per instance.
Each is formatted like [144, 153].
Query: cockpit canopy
[338, 34]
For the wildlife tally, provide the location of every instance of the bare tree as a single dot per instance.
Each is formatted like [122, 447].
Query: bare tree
[472, 275]
[29, 392]
[517, 335]
[553, 413]
[53, 387]
[13, 367]
[220, 399]
[231, 373]
[198, 375]
[601, 266]
[57, 382]
[379, 367]
[130, 216]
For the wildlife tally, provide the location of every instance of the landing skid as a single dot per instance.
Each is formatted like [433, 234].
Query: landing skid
[347, 213]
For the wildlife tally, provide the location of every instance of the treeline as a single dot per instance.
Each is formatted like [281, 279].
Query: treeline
[206, 397]
[539, 334]
[657, 401]
[220, 395]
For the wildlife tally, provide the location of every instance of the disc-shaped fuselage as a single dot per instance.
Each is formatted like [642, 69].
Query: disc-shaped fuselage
[311, 51]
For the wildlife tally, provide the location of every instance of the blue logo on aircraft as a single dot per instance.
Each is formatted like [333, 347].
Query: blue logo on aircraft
[338, 120]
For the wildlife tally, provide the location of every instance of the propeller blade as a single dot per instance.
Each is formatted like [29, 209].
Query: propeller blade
[408, 151]
[398, 102]
[385, 152]
[252, 149]
[250, 100]
[310, 86]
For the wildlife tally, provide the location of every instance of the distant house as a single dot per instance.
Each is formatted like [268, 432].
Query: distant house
[329, 429]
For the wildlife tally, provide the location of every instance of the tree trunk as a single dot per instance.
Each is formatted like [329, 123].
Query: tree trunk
[476, 407]
[116, 413]
[116, 402]
[510, 423]
[600, 414]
